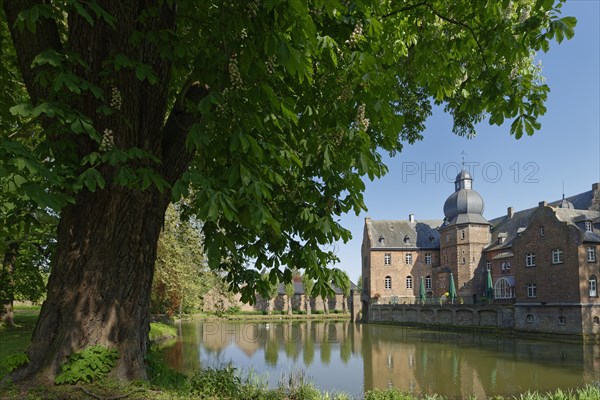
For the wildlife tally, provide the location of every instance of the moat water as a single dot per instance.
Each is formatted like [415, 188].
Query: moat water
[354, 358]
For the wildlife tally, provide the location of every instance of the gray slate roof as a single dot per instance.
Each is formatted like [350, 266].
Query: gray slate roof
[520, 219]
[391, 234]
[577, 218]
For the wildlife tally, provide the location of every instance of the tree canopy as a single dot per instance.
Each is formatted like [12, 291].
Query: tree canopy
[265, 116]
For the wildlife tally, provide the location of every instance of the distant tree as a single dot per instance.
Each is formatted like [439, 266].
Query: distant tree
[182, 276]
[308, 285]
[289, 293]
[359, 283]
[345, 288]
[271, 292]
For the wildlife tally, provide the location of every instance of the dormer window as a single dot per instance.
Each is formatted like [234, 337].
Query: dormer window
[588, 226]
[500, 240]
[406, 239]
[382, 240]
[542, 231]
[431, 239]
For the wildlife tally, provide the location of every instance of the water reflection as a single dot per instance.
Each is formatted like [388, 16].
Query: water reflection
[352, 358]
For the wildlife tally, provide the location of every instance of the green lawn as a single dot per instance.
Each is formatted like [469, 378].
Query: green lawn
[15, 339]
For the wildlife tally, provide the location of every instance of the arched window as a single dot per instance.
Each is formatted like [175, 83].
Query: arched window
[388, 282]
[427, 282]
[596, 321]
[503, 289]
[593, 286]
[409, 282]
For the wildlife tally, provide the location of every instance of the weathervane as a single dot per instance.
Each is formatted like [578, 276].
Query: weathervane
[463, 154]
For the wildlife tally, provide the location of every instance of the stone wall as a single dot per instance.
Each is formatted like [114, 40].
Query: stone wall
[459, 315]
[571, 321]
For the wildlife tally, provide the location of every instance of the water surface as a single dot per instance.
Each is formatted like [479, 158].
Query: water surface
[353, 358]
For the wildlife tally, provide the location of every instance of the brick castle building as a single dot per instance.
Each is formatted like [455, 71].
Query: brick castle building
[542, 261]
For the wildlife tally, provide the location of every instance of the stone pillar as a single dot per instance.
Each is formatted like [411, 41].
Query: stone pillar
[355, 306]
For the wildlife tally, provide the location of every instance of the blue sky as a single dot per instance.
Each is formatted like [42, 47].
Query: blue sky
[507, 172]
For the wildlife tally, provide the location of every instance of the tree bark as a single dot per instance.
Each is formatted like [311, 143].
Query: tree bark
[7, 281]
[99, 290]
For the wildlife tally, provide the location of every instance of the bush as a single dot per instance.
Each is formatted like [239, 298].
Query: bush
[234, 310]
[87, 365]
[217, 383]
[14, 361]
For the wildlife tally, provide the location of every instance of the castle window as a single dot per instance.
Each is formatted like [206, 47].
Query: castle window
[387, 259]
[431, 239]
[562, 320]
[505, 265]
[388, 282]
[529, 319]
[406, 239]
[588, 226]
[596, 321]
[591, 254]
[542, 231]
[409, 282]
[531, 290]
[488, 265]
[557, 256]
[463, 260]
[503, 289]
[462, 234]
[593, 286]
[530, 260]
[428, 282]
[428, 258]
[382, 240]
[408, 258]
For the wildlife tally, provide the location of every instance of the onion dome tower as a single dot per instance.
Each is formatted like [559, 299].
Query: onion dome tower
[463, 235]
[464, 205]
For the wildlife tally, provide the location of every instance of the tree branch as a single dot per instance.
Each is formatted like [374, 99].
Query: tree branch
[29, 44]
[464, 25]
[403, 9]
[176, 158]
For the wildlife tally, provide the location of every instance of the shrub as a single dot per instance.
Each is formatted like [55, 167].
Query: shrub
[234, 310]
[217, 383]
[14, 361]
[87, 365]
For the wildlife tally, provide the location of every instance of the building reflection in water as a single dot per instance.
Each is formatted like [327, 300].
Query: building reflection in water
[355, 358]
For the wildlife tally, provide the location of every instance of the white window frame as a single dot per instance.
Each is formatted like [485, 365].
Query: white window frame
[428, 258]
[588, 226]
[505, 264]
[408, 258]
[428, 283]
[387, 282]
[503, 289]
[542, 230]
[530, 260]
[488, 265]
[593, 286]
[591, 254]
[409, 282]
[531, 290]
[557, 256]
[387, 259]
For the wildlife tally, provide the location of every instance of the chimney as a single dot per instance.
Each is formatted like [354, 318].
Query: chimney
[542, 204]
[510, 212]
[411, 217]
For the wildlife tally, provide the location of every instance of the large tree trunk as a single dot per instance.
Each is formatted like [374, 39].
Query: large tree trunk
[99, 290]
